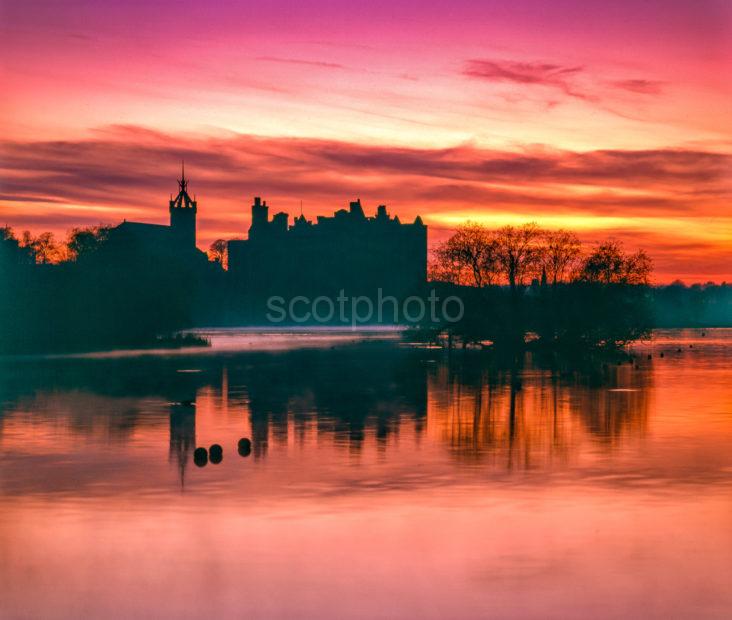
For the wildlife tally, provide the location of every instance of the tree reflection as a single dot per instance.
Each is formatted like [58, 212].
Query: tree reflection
[530, 416]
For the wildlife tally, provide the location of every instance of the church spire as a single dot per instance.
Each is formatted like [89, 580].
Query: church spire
[182, 183]
[183, 199]
[183, 212]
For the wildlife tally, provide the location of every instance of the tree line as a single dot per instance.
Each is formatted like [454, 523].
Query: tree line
[515, 255]
[92, 291]
[525, 284]
[45, 249]
[522, 286]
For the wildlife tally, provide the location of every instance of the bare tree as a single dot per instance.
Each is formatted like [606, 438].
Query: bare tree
[26, 239]
[217, 252]
[518, 252]
[85, 241]
[610, 264]
[638, 268]
[12, 250]
[43, 247]
[442, 268]
[560, 254]
[469, 256]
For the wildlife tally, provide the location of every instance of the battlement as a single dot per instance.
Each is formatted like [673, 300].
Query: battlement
[342, 220]
[347, 251]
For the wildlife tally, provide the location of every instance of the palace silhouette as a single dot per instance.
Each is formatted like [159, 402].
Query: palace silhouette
[347, 252]
[140, 284]
[129, 284]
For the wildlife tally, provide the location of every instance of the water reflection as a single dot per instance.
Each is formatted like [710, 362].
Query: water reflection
[182, 435]
[523, 416]
[528, 415]
[343, 470]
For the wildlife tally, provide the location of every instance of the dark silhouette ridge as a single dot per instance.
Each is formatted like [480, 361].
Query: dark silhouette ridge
[128, 285]
[525, 287]
[138, 284]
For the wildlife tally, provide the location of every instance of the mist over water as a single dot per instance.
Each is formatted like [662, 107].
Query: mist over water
[381, 480]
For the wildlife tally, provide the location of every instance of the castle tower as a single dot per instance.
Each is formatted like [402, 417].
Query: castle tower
[183, 214]
[260, 217]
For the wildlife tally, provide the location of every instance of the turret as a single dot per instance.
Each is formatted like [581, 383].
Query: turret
[279, 223]
[356, 209]
[183, 215]
[260, 216]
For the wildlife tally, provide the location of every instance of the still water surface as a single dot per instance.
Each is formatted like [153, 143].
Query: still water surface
[383, 481]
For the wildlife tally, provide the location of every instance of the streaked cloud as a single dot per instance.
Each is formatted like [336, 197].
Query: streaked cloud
[128, 172]
[564, 78]
[528, 73]
[298, 61]
[611, 118]
[643, 87]
[128, 158]
[521, 72]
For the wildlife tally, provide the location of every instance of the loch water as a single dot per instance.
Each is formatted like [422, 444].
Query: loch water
[381, 480]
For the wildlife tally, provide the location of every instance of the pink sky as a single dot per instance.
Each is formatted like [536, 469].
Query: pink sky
[611, 118]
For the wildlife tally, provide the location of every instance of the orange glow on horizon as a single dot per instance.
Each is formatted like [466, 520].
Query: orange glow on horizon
[611, 122]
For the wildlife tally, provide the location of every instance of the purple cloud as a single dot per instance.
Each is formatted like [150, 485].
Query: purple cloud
[133, 167]
[562, 78]
[297, 61]
[643, 87]
[529, 73]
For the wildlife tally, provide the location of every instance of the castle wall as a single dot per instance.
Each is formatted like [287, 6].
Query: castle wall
[348, 252]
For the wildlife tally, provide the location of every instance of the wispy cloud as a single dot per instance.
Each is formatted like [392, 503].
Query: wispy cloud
[127, 172]
[527, 73]
[643, 87]
[123, 164]
[298, 61]
[521, 72]
[565, 79]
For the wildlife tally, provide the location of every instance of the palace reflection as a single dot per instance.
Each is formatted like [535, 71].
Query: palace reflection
[182, 436]
[358, 398]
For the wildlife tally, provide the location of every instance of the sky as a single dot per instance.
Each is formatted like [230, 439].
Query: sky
[609, 118]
